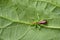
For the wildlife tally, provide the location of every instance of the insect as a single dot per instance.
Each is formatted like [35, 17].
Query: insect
[39, 23]
[42, 22]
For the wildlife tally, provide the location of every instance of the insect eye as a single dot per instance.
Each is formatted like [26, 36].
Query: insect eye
[42, 22]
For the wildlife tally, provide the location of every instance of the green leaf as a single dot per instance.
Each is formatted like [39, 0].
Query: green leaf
[17, 16]
[14, 31]
[44, 34]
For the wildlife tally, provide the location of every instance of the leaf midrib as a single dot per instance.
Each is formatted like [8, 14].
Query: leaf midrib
[23, 22]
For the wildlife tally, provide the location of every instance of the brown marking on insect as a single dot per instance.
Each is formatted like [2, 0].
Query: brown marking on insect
[42, 22]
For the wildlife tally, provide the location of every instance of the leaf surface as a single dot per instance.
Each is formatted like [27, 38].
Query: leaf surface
[16, 17]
